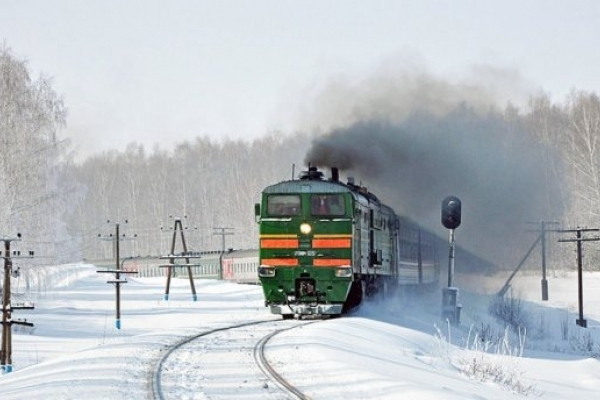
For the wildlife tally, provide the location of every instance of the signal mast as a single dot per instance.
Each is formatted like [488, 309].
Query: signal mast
[451, 218]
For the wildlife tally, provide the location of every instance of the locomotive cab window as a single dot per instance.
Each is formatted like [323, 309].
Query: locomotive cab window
[327, 204]
[283, 205]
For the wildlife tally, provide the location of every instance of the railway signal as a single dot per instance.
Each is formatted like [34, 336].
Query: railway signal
[451, 218]
[451, 209]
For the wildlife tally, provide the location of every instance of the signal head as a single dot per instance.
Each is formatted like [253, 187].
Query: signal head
[451, 210]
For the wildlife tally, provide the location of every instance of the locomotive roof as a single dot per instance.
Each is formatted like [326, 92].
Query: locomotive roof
[307, 186]
[320, 186]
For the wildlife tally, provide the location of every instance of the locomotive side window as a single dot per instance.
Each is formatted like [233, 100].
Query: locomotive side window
[327, 204]
[283, 205]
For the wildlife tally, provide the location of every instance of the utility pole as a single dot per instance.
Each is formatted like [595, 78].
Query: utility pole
[543, 230]
[7, 307]
[185, 255]
[540, 239]
[223, 232]
[506, 286]
[118, 280]
[544, 280]
[579, 239]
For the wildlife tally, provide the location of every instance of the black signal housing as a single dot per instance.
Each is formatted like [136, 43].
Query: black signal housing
[451, 210]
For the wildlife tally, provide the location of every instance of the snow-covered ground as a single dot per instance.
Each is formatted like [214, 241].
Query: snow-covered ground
[401, 349]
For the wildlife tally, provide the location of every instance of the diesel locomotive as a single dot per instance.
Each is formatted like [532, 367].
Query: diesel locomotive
[324, 246]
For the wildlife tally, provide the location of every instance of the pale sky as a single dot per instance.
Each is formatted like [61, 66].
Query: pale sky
[166, 71]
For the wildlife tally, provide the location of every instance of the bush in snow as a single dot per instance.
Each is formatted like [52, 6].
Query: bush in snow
[494, 359]
[510, 311]
[584, 342]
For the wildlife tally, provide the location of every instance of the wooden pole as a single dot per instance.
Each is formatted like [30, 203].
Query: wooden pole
[5, 352]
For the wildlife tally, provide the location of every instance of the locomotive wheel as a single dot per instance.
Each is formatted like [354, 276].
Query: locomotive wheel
[371, 287]
[355, 296]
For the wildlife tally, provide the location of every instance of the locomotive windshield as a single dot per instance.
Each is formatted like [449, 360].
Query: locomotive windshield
[283, 204]
[327, 204]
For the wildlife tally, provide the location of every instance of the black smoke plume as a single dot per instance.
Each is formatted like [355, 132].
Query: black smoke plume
[490, 162]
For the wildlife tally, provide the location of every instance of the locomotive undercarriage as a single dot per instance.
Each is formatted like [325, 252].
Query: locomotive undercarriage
[307, 299]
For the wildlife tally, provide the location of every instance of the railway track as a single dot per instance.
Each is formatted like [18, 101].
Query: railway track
[268, 370]
[227, 362]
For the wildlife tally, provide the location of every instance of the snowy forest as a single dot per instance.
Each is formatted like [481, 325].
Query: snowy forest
[511, 166]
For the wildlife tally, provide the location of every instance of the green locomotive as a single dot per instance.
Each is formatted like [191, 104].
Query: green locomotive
[325, 245]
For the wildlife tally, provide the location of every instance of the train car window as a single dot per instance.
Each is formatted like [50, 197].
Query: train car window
[327, 204]
[283, 205]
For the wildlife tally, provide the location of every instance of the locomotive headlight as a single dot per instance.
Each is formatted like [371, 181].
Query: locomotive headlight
[344, 271]
[266, 272]
[305, 228]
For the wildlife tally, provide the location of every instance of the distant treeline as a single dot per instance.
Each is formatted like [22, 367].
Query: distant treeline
[509, 166]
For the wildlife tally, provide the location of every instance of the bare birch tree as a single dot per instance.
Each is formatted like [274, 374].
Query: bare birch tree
[582, 155]
[36, 191]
